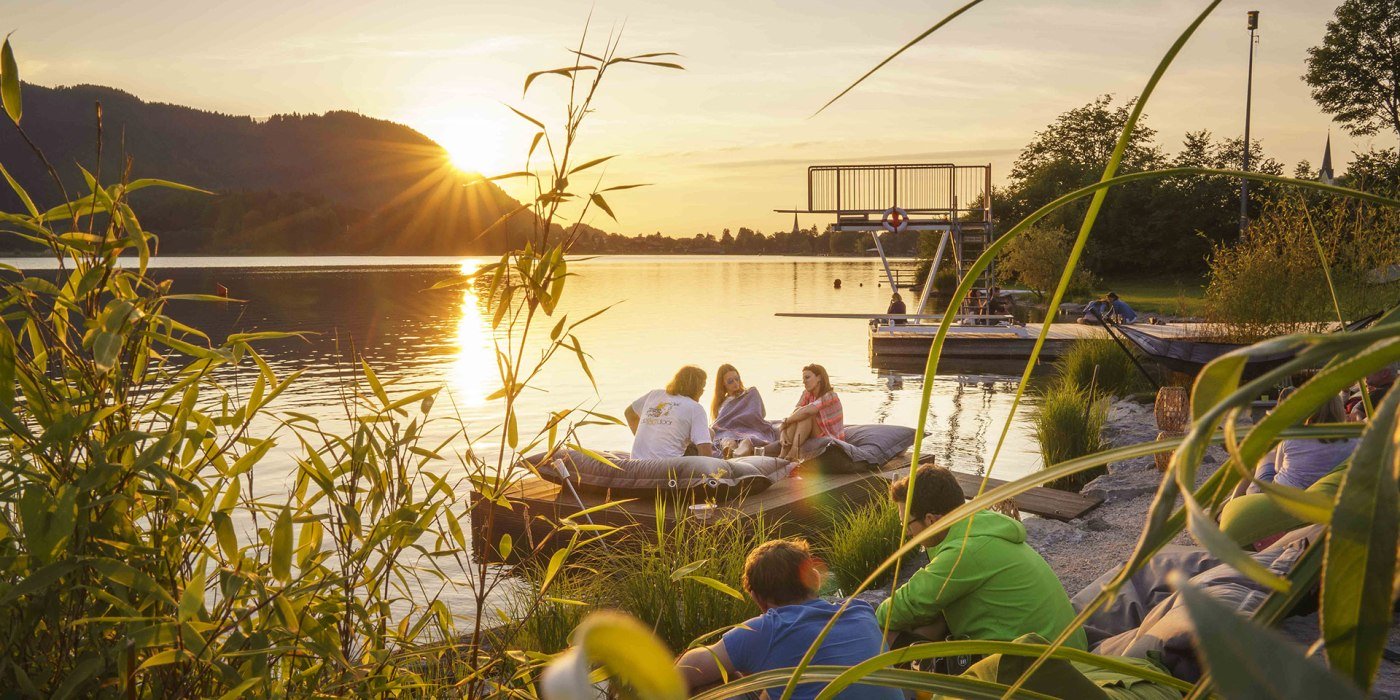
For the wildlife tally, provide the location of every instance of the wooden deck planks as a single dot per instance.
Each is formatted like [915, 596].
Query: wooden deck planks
[804, 505]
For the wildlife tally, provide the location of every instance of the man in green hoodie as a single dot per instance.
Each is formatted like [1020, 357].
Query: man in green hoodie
[982, 581]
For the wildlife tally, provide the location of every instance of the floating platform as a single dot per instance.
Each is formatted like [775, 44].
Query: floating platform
[893, 346]
[805, 505]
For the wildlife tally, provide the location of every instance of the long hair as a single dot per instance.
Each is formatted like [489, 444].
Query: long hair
[689, 381]
[1333, 411]
[720, 392]
[820, 371]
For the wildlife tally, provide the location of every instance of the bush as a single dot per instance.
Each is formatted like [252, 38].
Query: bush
[861, 538]
[1273, 282]
[1116, 374]
[1070, 424]
[1036, 260]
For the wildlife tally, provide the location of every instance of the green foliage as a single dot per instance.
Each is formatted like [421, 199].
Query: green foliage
[1273, 280]
[1358, 56]
[860, 538]
[1070, 425]
[1174, 220]
[1036, 259]
[1101, 365]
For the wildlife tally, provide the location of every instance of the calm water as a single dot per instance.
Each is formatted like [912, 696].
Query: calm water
[664, 312]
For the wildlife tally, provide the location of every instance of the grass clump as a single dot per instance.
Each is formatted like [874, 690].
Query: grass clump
[1100, 366]
[685, 583]
[1070, 425]
[861, 538]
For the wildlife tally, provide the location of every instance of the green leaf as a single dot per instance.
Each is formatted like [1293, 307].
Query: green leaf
[687, 569]
[1359, 565]
[603, 204]
[504, 548]
[1249, 661]
[717, 585]
[556, 562]
[23, 196]
[591, 163]
[192, 599]
[164, 658]
[105, 348]
[9, 82]
[238, 690]
[282, 546]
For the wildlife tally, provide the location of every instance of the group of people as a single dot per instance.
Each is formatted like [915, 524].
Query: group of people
[670, 422]
[982, 582]
[1108, 308]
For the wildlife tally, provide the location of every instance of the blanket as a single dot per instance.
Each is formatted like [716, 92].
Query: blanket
[742, 417]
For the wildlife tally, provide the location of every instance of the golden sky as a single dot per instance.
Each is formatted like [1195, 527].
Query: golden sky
[727, 140]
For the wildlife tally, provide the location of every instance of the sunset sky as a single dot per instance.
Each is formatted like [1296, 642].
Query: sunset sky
[727, 140]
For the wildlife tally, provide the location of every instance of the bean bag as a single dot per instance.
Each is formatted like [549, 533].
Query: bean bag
[688, 478]
[1253, 517]
[1166, 633]
[865, 449]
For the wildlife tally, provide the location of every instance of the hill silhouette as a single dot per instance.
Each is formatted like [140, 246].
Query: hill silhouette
[338, 182]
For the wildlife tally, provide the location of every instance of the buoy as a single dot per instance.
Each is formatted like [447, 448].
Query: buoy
[837, 283]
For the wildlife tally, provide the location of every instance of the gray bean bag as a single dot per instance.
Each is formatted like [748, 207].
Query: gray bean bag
[1164, 631]
[865, 449]
[690, 478]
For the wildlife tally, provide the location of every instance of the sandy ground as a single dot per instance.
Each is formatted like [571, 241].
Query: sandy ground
[1081, 550]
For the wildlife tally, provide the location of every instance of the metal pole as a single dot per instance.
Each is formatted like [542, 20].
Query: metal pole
[884, 261]
[1248, 99]
[932, 272]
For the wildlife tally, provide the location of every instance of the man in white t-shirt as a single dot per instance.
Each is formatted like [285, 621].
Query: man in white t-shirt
[667, 421]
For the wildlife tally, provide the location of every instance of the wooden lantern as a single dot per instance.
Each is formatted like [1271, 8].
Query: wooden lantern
[1164, 459]
[1173, 408]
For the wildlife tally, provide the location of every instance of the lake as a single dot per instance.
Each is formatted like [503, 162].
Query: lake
[662, 312]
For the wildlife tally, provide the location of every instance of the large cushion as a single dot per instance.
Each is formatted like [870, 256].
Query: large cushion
[683, 477]
[865, 449]
[1166, 633]
[1255, 516]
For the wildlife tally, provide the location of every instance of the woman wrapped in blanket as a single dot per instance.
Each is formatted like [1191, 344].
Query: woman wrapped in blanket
[818, 414]
[739, 416]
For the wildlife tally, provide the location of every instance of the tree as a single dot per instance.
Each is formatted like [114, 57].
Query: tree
[1037, 258]
[1355, 73]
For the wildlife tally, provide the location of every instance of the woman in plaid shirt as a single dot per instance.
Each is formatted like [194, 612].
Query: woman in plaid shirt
[818, 414]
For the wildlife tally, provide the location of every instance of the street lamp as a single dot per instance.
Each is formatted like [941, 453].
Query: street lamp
[1248, 97]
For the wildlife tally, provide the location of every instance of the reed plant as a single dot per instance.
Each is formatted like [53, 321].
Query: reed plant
[860, 539]
[1101, 366]
[145, 553]
[1068, 425]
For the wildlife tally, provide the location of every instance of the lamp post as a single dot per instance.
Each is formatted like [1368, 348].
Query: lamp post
[1248, 98]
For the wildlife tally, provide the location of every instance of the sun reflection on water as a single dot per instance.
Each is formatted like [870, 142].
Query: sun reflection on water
[473, 370]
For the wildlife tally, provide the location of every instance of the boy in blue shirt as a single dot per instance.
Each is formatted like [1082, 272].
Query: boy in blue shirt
[782, 577]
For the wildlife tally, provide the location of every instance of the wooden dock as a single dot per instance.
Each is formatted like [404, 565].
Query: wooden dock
[891, 344]
[803, 506]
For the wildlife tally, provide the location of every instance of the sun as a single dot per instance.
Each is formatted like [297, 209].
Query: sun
[476, 145]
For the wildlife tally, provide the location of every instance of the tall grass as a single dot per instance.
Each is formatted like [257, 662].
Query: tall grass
[860, 539]
[1069, 425]
[1102, 365]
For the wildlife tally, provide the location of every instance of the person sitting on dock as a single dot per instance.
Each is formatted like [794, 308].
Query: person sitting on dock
[1109, 307]
[897, 307]
[783, 577]
[739, 415]
[982, 582]
[818, 414]
[667, 422]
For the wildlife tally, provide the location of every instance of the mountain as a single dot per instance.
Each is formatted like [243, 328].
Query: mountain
[338, 182]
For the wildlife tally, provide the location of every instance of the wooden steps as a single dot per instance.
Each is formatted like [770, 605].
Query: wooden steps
[803, 505]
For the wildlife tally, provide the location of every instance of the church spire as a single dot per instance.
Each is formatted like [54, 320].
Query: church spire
[1324, 173]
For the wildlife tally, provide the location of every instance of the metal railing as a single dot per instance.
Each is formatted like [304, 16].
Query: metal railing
[923, 190]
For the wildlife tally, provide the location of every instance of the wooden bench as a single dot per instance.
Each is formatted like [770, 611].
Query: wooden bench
[802, 505]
